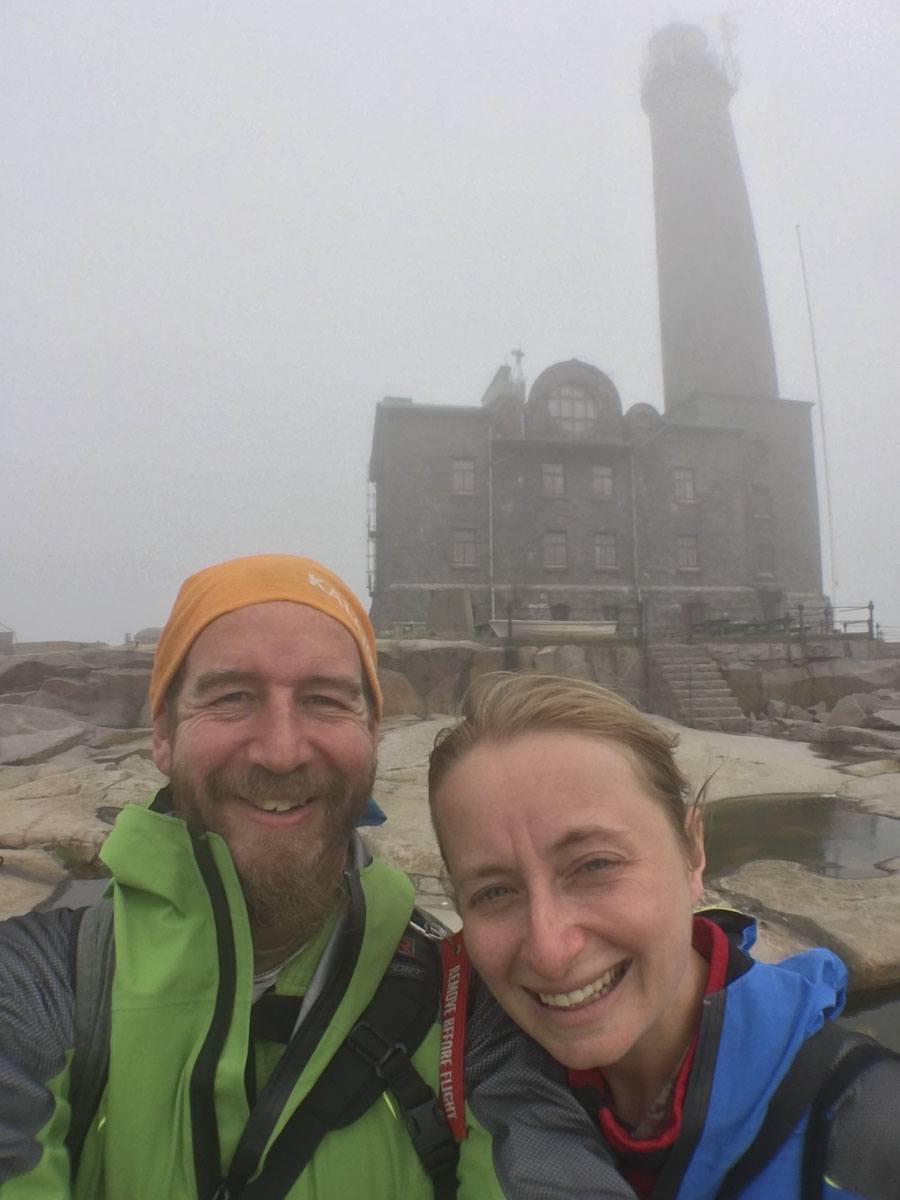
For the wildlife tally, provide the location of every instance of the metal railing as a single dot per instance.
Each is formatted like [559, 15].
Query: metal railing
[795, 623]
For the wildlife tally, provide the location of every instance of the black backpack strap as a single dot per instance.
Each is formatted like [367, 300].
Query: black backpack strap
[821, 1071]
[375, 1056]
[95, 964]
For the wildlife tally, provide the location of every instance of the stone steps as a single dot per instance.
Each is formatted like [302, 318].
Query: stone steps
[697, 690]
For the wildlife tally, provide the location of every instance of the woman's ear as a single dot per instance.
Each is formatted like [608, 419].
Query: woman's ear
[696, 854]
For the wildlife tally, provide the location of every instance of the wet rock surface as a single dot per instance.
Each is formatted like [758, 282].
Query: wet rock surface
[858, 919]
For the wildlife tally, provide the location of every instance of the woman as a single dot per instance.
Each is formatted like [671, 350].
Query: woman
[576, 862]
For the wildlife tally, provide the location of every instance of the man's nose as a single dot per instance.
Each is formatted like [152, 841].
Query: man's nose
[280, 742]
[554, 938]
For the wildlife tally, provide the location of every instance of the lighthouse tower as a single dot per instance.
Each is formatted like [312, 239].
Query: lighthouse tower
[714, 322]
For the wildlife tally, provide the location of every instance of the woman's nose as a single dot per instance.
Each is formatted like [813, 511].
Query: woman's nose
[554, 939]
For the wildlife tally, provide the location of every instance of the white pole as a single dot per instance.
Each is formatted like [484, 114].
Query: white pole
[832, 563]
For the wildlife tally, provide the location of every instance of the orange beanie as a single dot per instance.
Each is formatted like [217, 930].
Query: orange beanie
[221, 589]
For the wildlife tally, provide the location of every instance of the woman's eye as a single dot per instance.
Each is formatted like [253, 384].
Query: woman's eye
[596, 864]
[325, 702]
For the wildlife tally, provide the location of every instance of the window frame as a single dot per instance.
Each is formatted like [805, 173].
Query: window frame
[684, 480]
[605, 473]
[464, 474]
[612, 543]
[464, 540]
[687, 542]
[556, 538]
[553, 473]
[574, 408]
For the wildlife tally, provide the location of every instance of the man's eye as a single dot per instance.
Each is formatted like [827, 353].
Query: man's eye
[323, 701]
[231, 698]
[491, 895]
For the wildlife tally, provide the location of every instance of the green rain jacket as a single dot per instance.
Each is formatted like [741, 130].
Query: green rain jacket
[176, 1100]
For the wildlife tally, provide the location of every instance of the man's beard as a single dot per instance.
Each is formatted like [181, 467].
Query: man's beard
[288, 884]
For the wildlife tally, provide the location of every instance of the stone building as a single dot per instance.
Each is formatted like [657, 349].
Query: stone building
[561, 503]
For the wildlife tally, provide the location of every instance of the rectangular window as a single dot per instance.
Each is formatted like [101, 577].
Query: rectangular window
[575, 410]
[552, 479]
[462, 480]
[462, 553]
[764, 557]
[605, 554]
[687, 557]
[762, 502]
[554, 550]
[684, 485]
[602, 484]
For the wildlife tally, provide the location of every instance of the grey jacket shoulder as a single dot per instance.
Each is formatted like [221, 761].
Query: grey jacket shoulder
[545, 1144]
[37, 1005]
[864, 1145]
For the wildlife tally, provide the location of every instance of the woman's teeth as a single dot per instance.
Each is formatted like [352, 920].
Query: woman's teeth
[593, 991]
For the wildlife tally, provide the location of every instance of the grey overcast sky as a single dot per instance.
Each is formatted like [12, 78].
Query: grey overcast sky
[229, 228]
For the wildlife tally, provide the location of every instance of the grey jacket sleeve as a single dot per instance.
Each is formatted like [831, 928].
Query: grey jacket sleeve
[545, 1144]
[37, 969]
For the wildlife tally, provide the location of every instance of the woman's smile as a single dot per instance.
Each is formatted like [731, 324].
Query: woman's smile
[581, 997]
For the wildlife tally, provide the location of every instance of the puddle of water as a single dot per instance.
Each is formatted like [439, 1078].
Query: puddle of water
[826, 834]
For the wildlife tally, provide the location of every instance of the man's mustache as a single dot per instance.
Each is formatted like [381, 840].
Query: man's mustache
[258, 784]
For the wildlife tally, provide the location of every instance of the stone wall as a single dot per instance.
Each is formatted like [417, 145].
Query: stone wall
[761, 671]
[420, 677]
[108, 687]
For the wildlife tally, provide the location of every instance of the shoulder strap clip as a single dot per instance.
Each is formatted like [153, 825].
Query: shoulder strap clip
[384, 1057]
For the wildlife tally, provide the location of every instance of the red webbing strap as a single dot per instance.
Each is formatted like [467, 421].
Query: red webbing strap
[454, 996]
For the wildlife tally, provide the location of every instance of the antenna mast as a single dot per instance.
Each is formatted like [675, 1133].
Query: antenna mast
[815, 355]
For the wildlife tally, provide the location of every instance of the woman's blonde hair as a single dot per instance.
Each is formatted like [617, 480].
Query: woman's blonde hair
[502, 706]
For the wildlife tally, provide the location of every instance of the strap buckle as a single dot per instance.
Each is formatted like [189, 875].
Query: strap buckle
[431, 1136]
[383, 1057]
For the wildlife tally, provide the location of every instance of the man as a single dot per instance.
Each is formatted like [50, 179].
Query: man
[241, 882]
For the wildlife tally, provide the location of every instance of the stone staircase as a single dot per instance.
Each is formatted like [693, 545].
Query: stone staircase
[689, 687]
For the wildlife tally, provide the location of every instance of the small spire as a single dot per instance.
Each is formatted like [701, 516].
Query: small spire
[516, 375]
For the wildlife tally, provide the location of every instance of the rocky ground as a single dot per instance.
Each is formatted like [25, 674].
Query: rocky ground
[67, 780]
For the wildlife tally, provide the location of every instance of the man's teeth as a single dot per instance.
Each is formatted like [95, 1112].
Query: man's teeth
[593, 990]
[278, 806]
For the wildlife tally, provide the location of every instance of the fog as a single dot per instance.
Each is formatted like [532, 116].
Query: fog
[230, 228]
